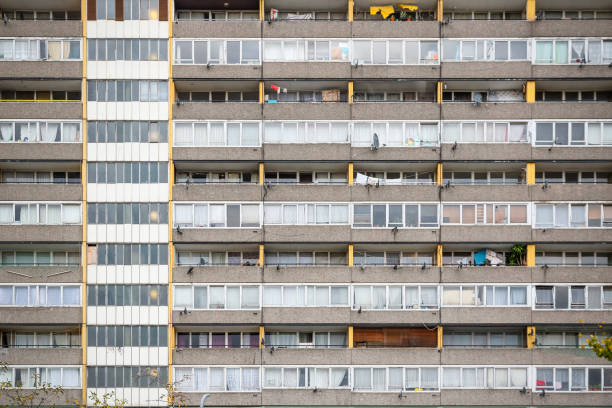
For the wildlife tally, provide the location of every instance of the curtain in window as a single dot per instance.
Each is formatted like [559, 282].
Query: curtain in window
[412, 297]
[380, 297]
[429, 134]
[217, 297]
[216, 379]
[250, 134]
[273, 133]
[594, 52]
[429, 378]
[217, 215]
[6, 49]
[183, 214]
[217, 134]
[607, 134]
[339, 132]
[518, 296]
[71, 377]
[200, 136]
[233, 297]
[428, 296]
[21, 49]
[361, 134]
[54, 49]
[6, 132]
[339, 296]
[183, 134]
[451, 377]
[544, 296]
[272, 296]
[322, 214]
[578, 51]
[6, 214]
[71, 214]
[607, 51]
[362, 296]
[544, 51]
[272, 50]
[232, 379]
[272, 214]
[184, 379]
[339, 214]
[250, 379]
[450, 296]
[70, 295]
[578, 380]
[451, 133]
[412, 378]
[273, 377]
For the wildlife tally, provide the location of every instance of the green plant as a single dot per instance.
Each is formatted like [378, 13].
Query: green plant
[16, 395]
[601, 347]
[517, 255]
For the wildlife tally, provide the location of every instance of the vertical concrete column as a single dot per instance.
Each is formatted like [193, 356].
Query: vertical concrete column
[351, 92]
[530, 10]
[261, 254]
[440, 337]
[439, 91]
[262, 10]
[349, 173]
[262, 174]
[530, 254]
[531, 336]
[440, 10]
[530, 91]
[439, 169]
[261, 92]
[530, 173]
[350, 337]
[350, 254]
[349, 12]
[439, 255]
[84, 209]
[262, 335]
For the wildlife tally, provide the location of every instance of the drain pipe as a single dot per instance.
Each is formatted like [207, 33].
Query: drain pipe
[203, 400]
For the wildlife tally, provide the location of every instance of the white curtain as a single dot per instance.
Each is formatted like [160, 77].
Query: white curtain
[54, 214]
[607, 134]
[518, 296]
[379, 379]
[339, 132]
[233, 297]
[429, 378]
[518, 377]
[451, 133]
[339, 296]
[322, 296]
[289, 214]
[48, 131]
[273, 50]
[272, 214]
[322, 211]
[428, 296]
[450, 296]
[396, 135]
[250, 379]
[183, 214]
[339, 214]
[250, 297]
[395, 378]
[232, 379]
[273, 132]
[200, 215]
[200, 297]
[362, 379]
[380, 297]
[362, 134]
[217, 215]
[54, 295]
[362, 296]
[71, 213]
[71, 377]
[250, 134]
[272, 377]
[71, 295]
[70, 132]
[412, 297]
[501, 377]
[451, 377]
[217, 297]
[233, 134]
[6, 132]
[183, 134]
[200, 379]
[217, 134]
[429, 134]
[322, 378]
[200, 134]
[412, 378]
[272, 296]
[216, 379]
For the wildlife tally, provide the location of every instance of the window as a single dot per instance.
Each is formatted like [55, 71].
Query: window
[40, 132]
[127, 336]
[140, 9]
[305, 296]
[40, 213]
[105, 9]
[485, 50]
[305, 214]
[216, 134]
[127, 172]
[394, 297]
[218, 379]
[484, 377]
[574, 215]
[395, 215]
[40, 295]
[218, 297]
[125, 376]
[485, 132]
[482, 296]
[55, 49]
[128, 295]
[581, 379]
[217, 215]
[203, 52]
[573, 297]
[573, 51]
[127, 49]
[127, 91]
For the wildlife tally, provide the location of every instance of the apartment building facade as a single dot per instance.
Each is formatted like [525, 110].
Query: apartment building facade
[326, 203]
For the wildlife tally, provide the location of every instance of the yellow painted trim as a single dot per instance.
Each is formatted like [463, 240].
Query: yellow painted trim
[530, 90]
[350, 251]
[440, 337]
[40, 100]
[171, 100]
[262, 335]
[530, 173]
[440, 10]
[439, 255]
[261, 254]
[349, 13]
[351, 92]
[439, 92]
[261, 92]
[531, 10]
[439, 174]
[262, 173]
[530, 254]
[84, 253]
[262, 10]
[530, 333]
[349, 173]
[350, 337]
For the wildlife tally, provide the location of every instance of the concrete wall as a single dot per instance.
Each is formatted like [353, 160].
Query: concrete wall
[41, 110]
[41, 233]
[41, 192]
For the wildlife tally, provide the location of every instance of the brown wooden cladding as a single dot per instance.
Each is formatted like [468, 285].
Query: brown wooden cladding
[163, 10]
[394, 337]
[118, 10]
[91, 9]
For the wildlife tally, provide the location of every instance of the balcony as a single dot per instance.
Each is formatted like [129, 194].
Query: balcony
[310, 356]
[215, 316]
[487, 274]
[216, 29]
[486, 111]
[572, 110]
[41, 151]
[489, 29]
[217, 192]
[388, 274]
[486, 315]
[190, 153]
[41, 233]
[485, 70]
[41, 110]
[41, 28]
[310, 70]
[307, 111]
[490, 151]
[306, 274]
[43, 356]
[307, 29]
[306, 315]
[41, 274]
[214, 274]
[219, 111]
[217, 235]
[40, 316]
[216, 356]
[310, 151]
[496, 192]
[394, 317]
[41, 69]
[561, 192]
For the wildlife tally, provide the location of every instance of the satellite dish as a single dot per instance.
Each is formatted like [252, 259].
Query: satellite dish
[375, 143]
[477, 99]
